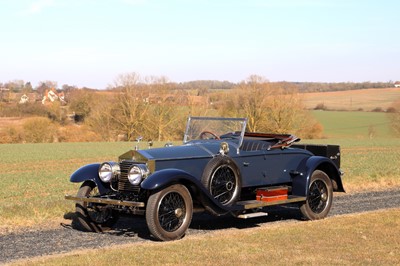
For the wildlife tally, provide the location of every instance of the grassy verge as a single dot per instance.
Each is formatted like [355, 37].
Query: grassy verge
[35, 177]
[362, 239]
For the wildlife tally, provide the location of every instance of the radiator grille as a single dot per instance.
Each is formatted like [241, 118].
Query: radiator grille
[123, 182]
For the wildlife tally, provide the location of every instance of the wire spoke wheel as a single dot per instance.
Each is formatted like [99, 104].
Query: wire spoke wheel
[169, 212]
[319, 197]
[223, 184]
[222, 179]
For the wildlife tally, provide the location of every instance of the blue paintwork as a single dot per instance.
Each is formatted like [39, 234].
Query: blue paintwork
[90, 172]
[257, 168]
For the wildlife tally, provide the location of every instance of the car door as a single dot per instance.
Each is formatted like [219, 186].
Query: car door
[268, 167]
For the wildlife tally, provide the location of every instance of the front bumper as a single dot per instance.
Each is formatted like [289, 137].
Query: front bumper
[106, 201]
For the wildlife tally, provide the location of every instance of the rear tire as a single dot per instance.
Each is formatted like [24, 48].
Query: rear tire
[319, 198]
[92, 218]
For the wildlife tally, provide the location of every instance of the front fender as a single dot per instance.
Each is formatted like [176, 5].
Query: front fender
[163, 178]
[301, 180]
[166, 177]
[90, 172]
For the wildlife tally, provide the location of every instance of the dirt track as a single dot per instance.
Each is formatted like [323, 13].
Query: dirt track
[129, 230]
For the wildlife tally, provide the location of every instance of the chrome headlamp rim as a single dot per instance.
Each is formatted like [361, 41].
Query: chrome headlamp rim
[137, 173]
[108, 170]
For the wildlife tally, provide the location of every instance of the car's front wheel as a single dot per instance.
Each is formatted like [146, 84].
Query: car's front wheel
[89, 217]
[319, 198]
[169, 212]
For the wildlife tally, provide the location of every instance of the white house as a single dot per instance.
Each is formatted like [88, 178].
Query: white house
[397, 84]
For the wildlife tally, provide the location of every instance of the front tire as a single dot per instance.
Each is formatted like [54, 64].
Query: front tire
[89, 218]
[319, 198]
[169, 212]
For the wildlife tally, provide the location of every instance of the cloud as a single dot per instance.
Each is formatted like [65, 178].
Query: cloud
[38, 6]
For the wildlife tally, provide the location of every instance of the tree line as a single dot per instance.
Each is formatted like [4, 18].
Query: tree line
[156, 109]
[203, 86]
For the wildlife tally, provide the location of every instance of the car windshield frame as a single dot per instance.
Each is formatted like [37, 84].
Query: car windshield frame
[224, 128]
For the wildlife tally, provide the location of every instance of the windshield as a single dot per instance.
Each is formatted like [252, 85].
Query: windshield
[206, 128]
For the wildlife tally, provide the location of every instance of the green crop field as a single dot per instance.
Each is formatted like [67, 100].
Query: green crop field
[354, 125]
[35, 178]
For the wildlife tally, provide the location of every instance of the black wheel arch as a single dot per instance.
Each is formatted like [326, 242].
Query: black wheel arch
[334, 174]
[302, 176]
[90, 172]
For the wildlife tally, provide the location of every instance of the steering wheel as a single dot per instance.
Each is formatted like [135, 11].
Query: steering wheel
[204, 133]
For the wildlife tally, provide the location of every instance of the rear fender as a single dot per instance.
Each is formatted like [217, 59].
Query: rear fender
[90, 172]
[301, 177]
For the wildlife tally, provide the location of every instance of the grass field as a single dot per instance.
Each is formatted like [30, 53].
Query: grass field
[35, 178]
[366, 100]
[354, 125]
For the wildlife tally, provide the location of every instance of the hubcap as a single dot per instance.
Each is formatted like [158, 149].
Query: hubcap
[178, 212]
[229, 186]
[324, 197]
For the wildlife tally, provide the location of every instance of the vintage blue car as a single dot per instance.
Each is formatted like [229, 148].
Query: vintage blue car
[220, 168]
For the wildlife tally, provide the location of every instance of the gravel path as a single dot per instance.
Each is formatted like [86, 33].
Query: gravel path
[128, 230]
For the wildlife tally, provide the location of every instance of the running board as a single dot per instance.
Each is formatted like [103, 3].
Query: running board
[252, 215]
[252, 204]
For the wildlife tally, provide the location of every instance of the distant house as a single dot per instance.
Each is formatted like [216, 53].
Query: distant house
[397, 84]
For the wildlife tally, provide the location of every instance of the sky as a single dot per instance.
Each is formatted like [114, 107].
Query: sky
[89, 43]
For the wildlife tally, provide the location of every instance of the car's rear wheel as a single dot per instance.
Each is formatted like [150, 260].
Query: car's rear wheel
[169, 212]
[222, 179]
[89, 217]
[319, 198]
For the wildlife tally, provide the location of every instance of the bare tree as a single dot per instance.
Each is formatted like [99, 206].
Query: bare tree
[132, 104]
[270, 108]
[45, 85]
[249, 100]
[101, 119]
[284, 111]
[165, 118]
